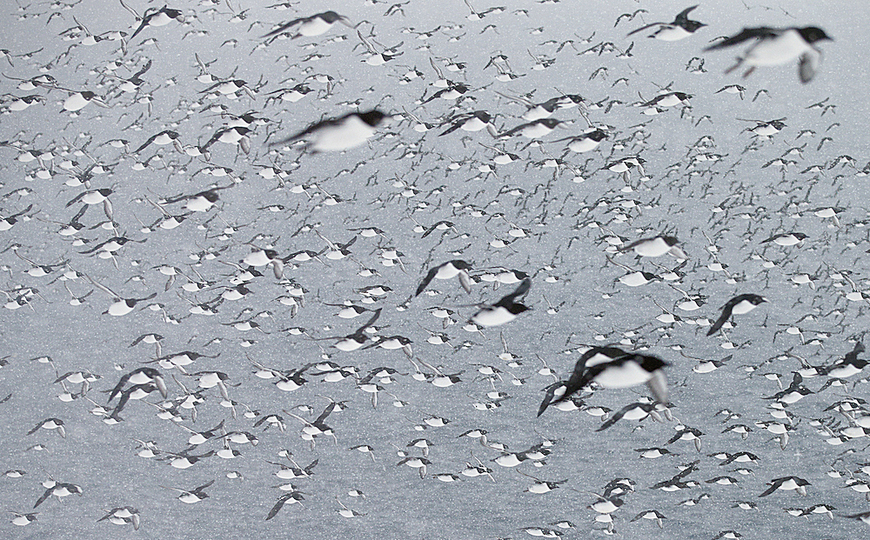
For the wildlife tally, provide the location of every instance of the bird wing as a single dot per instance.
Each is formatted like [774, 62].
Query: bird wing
[683, 16]
[726, 313]
[326, 412]
[285, 26]
[309, 130]
[278, 505]
[744, 35]
[549, 395]
[146, 143]
[642, 28]
[426, 280]
[617, 416]
[521, 290]
[202, 487]
[771, 489]
[370, 321]
[579, 379]
[35, 429]
[465, 281]
[44, 496]
[119, 386]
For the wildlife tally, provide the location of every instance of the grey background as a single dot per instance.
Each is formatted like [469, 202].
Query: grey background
[677, 196]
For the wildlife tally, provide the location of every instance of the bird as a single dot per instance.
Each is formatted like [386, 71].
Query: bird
[155, 18]
[471, 121]
[141, 375]
[192, 496]
[311, 26]
[682, 27]
[50, 423]
[505, 310]
[632, 411]
[787, 483]
[775, 46]
[850, 365]
[740, 304]
[341, 133]
[621, 371]
[448, 270]
[59, 490]
[595, 355]
[358, 338]
[293, 497]
[656, 247]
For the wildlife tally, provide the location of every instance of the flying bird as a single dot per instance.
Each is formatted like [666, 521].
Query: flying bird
[314, 25]
[448, 270]
[337, 134]
[775, 46]
[505, 310]
[681, 27]
[740, 304]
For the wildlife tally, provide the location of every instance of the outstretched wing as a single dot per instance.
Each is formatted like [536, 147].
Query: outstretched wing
[370, 321]
[745, 35]
[310, 129]
[521, 290]
[119, 386]
[426, 280]
[286, 26]
[43, 497]
[616, 417]
[278, 505]
[770, 490]
[642, 28]
[726, 313]
[683, 16]
[550, 394]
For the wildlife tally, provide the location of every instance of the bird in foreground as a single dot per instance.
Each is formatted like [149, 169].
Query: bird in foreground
[595, 355]
[775, 46]
[505, 310]
[342, 133]
[740, 304]
[314, 25]
[681, 27]
[448, 270]
[612, 367]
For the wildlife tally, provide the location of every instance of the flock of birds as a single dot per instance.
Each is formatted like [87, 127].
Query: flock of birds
[193, 228]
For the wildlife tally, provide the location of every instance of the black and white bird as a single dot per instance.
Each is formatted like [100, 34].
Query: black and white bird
[311, 26]
[775, 46]
[740, 304]
[787, 483]
[448, 270]
[612, 367]
[505, 310]
[681, 27]
[337, 134]
[656, 247]
[595, 355]
[154, 17]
